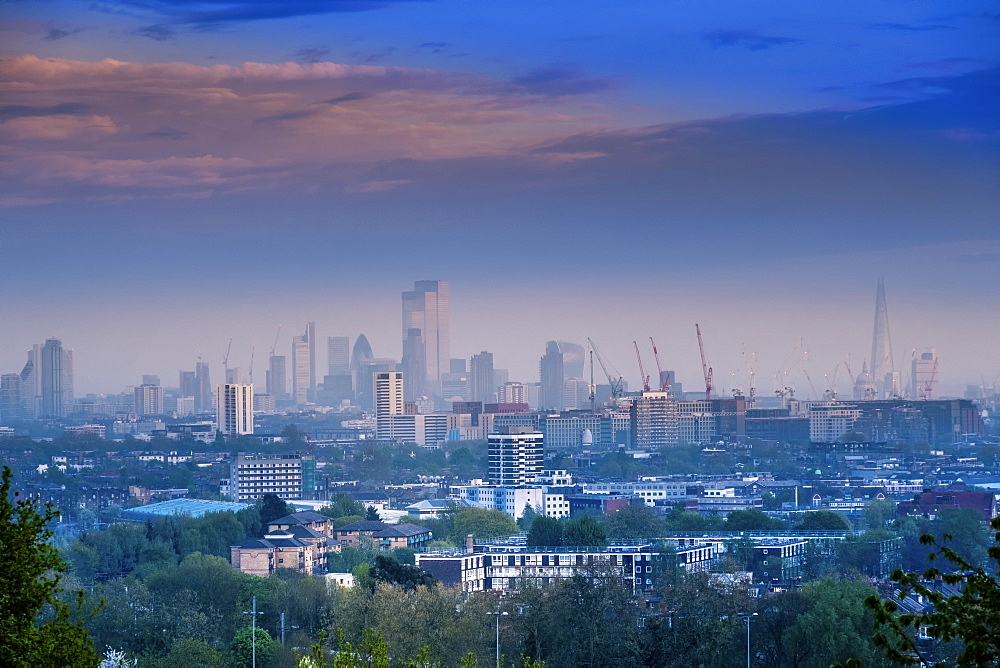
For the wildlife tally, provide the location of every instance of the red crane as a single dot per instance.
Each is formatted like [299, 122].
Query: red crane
[664, 381]
[642, 369]
[706, 370]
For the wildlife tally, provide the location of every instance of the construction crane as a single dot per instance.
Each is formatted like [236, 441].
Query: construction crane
[928, 387]
[664, 381]
[642, 371]
[250, 373]
[225, 361]
[275, 345]
[614, 381]
[706, 370]
[812, 387]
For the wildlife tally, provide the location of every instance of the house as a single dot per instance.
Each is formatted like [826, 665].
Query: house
[386, 536]
[308, 519]
[262, 556]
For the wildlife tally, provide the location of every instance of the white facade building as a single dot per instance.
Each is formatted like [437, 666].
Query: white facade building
[234, 409]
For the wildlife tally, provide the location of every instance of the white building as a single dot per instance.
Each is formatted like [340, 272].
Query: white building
[234, 409]
[286, 476]
[516, 455]
[828, 421]
[148, 400]
[649, 491]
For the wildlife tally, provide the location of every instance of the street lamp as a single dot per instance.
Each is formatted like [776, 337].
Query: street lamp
[253, 632]
[498, 615]
[747, 616]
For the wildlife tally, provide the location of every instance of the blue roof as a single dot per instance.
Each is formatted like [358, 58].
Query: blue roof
[175, 507]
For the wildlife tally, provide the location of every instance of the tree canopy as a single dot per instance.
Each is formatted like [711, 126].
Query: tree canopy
[36, 629]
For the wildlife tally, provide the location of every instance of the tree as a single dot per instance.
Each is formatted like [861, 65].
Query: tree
[390, 571]
[879, 514]
[272, 508]
[371, 514]
[545, 532]
[527, 517]
[751, 520]
[585, 532]
[482, 523]
[249, 641]
[824, 520]
[343, 506]
[634, 522]
[36, 628]
[972, 616]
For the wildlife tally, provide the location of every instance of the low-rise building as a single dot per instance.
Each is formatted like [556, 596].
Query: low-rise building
[385, 536]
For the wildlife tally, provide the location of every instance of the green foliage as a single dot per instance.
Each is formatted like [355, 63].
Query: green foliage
[36, 628]
[527, 517]
[193, 652]
[879, 514]
[545, 532]
[246, 642]
[271, 507]
[388, 570]
[343, 506]
[972, 616]
[824, 520]
[752, 520]
[371, 514]
[634, 522]
[584, 531]
[482, 523]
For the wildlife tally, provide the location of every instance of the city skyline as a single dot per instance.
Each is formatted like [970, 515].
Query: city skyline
[180, 174]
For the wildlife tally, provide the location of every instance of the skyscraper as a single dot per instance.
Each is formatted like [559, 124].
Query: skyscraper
[31, 383]
[203, 397]
[883, 371]
[655, 421]
[482, 380]
[188, 384]
[338, 358]
[426, 308]
[56, 379]
[413, 365]
[235, 409]
[276, 378]
[551, 377]
[304, 364]
[11, 404]
[924, 375]
[148, 400]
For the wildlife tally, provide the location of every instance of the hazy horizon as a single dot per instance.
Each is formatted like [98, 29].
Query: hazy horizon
[179, 173]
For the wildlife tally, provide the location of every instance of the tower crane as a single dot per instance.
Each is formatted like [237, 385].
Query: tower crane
[664, 381]
[613, 381]
[928, 387]
[225, 360]
[642, 371]
[812, 387]
[275, 345]
[706, 370]
[250, 373]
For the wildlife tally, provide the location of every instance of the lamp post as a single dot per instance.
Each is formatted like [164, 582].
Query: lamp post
[498, 615]
[253, 632]
[746, 617]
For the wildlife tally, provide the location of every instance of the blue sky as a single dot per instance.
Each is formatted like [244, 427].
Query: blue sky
[178, 172]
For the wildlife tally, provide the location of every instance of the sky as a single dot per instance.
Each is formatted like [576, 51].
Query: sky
[177, 173]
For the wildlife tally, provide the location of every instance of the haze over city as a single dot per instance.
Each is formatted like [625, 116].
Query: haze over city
[178, 174]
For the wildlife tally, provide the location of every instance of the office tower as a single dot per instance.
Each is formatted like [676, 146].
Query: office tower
[304, 364]
[413, 365]
[482, 382]
[31, 383]
[574, 357]
[883, 371]
[655, 420]
[457, 365]
[234, 376]
[188, 384]
[286, 476]
[276, 378]
[924, 375]
[426, 308]
[150, 379]
[388, 400]
[11, 403]
[235, 409]
[148, 400]
[516, 456]
[203, 398]
[338, 360]
[56, 379]
[551, 376]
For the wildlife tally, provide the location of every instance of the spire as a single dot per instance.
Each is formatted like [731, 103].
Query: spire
[882, 367]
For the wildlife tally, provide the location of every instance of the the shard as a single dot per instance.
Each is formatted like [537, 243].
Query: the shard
[883, 371]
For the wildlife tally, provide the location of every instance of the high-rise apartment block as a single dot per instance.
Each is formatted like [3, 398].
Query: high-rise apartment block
[551, 377]
[286, 476]
[235, 409]
[654, 420]
[203, 398]
[516, 456]
[148, 399]
[276, 378]
[427, 308]
[388, 400]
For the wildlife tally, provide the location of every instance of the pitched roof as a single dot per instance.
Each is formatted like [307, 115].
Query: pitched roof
[364, 525]
[304, 517]
[269, 543]
[402, 530]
